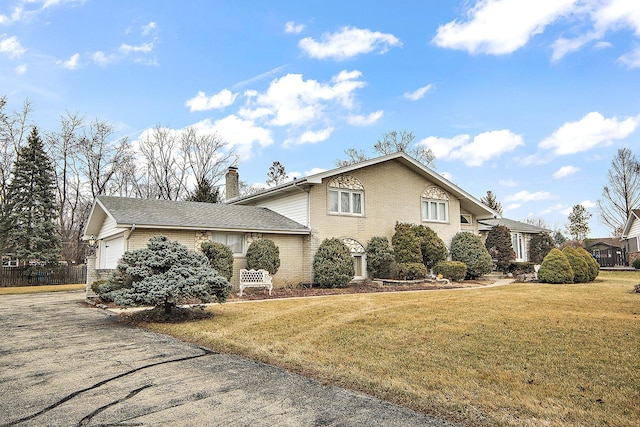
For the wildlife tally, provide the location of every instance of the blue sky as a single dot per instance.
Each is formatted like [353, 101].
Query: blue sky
[528, 98]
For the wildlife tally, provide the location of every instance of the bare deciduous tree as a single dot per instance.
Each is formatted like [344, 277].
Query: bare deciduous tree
[207, 155]
[392, 142]
[14, 127]
[622, 193]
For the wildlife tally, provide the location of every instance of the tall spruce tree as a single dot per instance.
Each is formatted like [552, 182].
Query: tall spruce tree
[498, 244]
[29, 228]
[491, 201]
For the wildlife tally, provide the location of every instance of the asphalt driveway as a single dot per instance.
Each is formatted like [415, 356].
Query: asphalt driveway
[67, 364]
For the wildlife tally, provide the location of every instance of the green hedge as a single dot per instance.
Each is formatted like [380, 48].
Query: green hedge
[452, 270]
[412, 270]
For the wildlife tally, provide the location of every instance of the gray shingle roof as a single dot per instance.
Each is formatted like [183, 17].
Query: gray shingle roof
[172, 214]
[512, 225]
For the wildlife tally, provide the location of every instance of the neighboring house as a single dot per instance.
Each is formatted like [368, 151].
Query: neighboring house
[607, 251]
[631, 236]
[521, 234]
[353, 203]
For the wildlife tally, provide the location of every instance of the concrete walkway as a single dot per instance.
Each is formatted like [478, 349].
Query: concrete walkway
[66, 364]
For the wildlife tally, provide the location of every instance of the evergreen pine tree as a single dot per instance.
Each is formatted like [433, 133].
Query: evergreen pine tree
[498, 244]
[205, 192]
[29, 228]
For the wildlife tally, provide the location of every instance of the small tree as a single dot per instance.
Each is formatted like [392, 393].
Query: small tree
[469, 249]
[162, 274]
[263, 254]
[491, 201]
[277, 174]
[558, 238]
[578, 225]
[220, 257]
[539, 246]
[380, 257]
[205, 192]
[498, 244]
[332, 264]
[432, 247]
[555, 268]
[578, 265]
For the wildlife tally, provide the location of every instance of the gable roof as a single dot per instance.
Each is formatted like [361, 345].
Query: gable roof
[635, 214]
[167, 214]
[614, 242]
[512, 225]
[470, 203]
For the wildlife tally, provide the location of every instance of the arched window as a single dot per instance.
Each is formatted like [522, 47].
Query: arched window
[435, 205]
[357, 252]
[346, 196]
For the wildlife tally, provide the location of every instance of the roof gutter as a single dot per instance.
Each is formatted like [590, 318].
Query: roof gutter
[133, 227]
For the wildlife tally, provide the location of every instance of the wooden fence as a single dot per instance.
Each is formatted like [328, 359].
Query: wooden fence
[22, 276]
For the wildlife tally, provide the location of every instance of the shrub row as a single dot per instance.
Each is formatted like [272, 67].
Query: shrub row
[571, 265]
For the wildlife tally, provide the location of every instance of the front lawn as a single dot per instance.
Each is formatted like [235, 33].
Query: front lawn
[522, 354]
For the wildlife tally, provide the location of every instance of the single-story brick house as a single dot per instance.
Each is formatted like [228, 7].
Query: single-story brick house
[353, 203]
[521, 234]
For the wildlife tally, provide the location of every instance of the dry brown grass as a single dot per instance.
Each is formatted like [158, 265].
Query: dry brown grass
[39, 289]
[522, 354]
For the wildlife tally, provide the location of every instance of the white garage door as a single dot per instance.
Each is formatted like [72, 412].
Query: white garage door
[111, 251]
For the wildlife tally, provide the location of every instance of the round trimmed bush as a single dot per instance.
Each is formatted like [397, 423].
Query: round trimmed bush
[452, 270]
[332, 264]
[594, 267]
[555, 268]
[380, 259]
[578, 265]
[636, 263]
[263, 254]
[406, 244]
[469, 249]
[220, 257]
[412, 270]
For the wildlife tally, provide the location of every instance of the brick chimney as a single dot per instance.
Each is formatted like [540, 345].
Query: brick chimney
[232, 183]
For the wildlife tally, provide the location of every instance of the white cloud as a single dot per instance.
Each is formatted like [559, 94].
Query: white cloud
[484, 146]
[602, 45]
[347, 43]
[143, 48]
[148, 29]
[293, 28]
[219, 100]
[102, 59]
[418, 93]
[565, 171]
[72, 63]
[631, 59]
[525, 196]
[589, 132]
[358, 120]
[446, 175]
[11, 45]
[240, 133]
[312, 137]
[500, 27]
[508, 183]
[21, 69]
[293, 101]
[314, 171]
[588, 204]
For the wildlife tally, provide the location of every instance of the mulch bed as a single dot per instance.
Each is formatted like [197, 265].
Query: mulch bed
[353, 288]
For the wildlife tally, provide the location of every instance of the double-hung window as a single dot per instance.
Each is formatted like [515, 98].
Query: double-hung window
[435, 205]
[345, 202]
[517, 243]
[346, 196]
[235, 241]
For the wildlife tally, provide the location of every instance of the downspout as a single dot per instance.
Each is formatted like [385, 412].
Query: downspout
[133, 227]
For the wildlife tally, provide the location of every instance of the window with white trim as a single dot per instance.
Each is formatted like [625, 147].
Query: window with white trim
[346, 196]
[235, 241]
[517, 243]
[435, 205]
